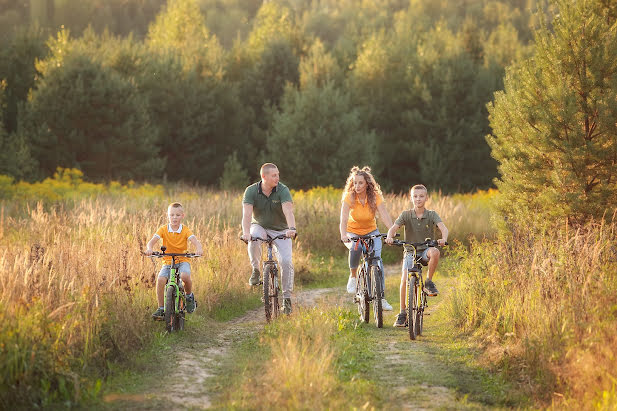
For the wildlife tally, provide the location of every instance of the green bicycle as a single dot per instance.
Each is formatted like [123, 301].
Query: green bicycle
[175, 296]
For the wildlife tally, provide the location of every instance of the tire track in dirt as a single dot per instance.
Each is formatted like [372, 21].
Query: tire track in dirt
[196, 360]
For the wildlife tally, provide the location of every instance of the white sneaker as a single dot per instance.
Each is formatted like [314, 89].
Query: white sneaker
[351, 285]
[385, 305]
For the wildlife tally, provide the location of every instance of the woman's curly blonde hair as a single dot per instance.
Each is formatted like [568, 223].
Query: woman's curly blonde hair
[372, 188]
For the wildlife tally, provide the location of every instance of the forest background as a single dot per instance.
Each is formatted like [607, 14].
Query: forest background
[204, 91]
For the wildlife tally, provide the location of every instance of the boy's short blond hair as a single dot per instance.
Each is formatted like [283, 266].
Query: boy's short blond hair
[175, 205]
[418, 187]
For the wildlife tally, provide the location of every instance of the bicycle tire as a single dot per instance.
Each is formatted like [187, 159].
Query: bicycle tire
[377, 294]
[170, 308]
[266, 293]
[180, 315]
[411, 306]
[363, 300]
[420, 315]
[274, 293]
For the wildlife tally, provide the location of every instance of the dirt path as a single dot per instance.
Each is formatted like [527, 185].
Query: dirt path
[418, 375]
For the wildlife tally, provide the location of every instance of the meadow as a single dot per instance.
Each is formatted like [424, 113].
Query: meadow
[77, 295]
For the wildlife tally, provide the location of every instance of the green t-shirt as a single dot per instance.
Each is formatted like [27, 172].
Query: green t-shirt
[268, 211]
[418, 229]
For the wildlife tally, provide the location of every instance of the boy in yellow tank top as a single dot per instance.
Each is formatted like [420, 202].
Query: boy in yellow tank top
[175, 237]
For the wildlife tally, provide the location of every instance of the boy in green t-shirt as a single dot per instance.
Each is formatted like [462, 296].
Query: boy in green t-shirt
[419, 225]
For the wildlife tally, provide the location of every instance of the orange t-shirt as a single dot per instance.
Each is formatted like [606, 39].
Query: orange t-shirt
[361, 218]
[176, 241]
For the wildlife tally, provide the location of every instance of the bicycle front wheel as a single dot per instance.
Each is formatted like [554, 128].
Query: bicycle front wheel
[362, 294]
[266, 292]
[412, 307]
[170, 308]
[274, 292]
[377, 296]
[420, 314]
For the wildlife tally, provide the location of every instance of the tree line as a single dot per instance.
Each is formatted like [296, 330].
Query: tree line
[205, 91]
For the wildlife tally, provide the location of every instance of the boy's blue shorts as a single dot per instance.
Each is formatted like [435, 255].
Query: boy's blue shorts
[183, 267]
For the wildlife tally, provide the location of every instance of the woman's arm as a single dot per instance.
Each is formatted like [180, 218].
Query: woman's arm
[385, 216]
[343, 223]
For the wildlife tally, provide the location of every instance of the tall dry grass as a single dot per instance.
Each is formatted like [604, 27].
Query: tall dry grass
[545, 305]
[75, 293]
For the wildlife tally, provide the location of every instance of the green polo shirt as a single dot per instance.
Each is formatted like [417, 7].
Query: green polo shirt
[418, 229]
[268, 211]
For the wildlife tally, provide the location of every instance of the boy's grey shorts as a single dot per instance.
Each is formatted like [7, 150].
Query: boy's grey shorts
[183, 267]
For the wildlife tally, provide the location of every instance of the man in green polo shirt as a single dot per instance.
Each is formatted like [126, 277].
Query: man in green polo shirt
[267, 209]
[420, 224]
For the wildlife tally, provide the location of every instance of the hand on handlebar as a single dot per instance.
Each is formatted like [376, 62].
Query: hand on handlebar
[291, 233]
[389, 240]
[245, 237]
[147, 252]
[442, 242]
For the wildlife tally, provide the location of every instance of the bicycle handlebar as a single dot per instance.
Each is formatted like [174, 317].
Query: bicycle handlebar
[269, 239]
[427, 242]
[367, 237]
[158, 254]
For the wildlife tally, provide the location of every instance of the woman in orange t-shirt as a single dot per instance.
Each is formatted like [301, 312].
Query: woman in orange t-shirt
[362, 199]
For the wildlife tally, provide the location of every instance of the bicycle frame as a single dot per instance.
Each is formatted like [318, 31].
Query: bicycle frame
[369, 260]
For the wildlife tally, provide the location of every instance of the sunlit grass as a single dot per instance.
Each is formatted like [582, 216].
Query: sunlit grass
[546, 306]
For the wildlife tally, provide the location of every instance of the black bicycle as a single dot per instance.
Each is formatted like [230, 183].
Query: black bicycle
[175, 297]
[369, 280]
[270, 279]
[417, 294]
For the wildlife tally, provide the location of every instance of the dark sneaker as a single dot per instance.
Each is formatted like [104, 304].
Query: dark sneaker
[401, 320]
[255, 277]
[191, 304]
[431, 288]
[159, 314]
[286, 306]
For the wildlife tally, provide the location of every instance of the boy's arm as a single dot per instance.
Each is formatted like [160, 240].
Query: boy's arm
[247, 214]
[288, 210]
[151, 244]
[444, 233]
[391, 232]
[198, 248]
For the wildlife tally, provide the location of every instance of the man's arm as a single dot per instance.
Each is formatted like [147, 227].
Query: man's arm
[288, 210]
[247, 215]
[391, 232]
[198, 248]
[343, 223]
[444, 233]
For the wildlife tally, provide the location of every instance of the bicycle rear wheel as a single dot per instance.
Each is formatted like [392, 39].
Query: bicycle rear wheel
[362, 294]
[412, 308]
[266, 293]
[377, 295]
[170, 309]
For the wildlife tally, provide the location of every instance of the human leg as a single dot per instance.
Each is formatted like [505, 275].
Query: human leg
[254, 251]
[284, 254]
[433, 259]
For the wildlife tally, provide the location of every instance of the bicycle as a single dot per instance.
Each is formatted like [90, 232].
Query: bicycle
[175, 297]
[416, 295]
[270, 279]
[369, 282]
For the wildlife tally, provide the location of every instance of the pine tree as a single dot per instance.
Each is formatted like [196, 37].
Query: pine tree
[554, 130]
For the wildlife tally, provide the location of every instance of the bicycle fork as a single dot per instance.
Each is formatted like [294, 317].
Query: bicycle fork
[173, 282]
